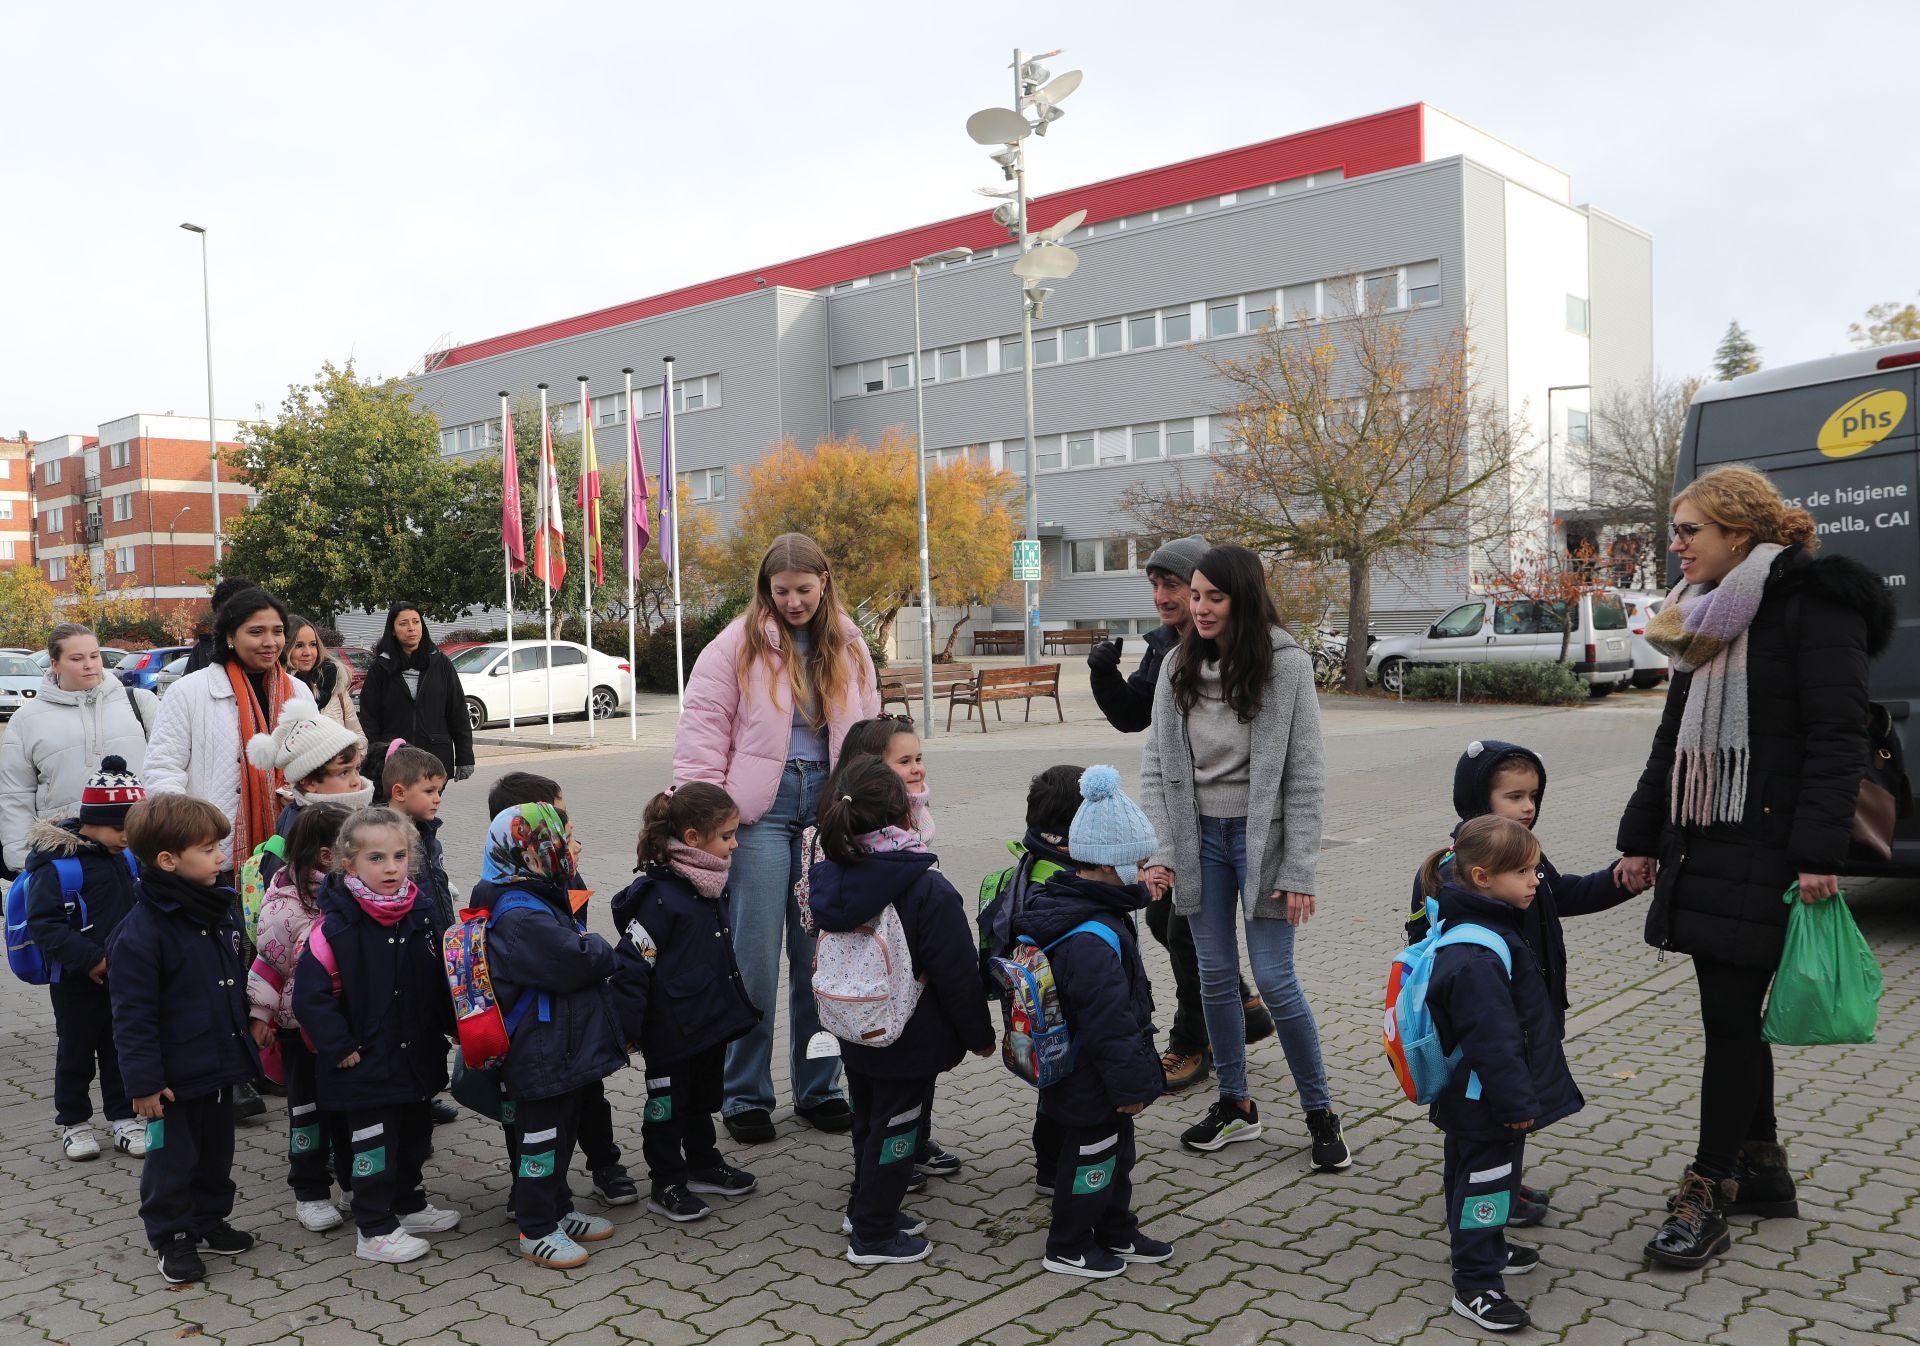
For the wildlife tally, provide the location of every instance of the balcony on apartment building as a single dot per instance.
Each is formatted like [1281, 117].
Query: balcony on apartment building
[90, 487]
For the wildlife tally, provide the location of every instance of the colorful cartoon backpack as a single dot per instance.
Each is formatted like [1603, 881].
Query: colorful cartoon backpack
[255, 875]
[1412, 1041]
[485, 1033]
[1037, 1045]
[864, 989]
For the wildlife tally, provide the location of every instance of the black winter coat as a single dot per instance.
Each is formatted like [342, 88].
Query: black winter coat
[106, 886]
[1107, 1001]
[1821, 621]
[1506, 1027]
[430, 875]
[179, 993]
[951, 1018]
[545, 951]
[1128, 703]
[394, 1007]
[434, 718]
[676, 985]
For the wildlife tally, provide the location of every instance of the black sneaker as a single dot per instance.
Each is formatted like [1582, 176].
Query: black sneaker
[903, 1248]
[830, 1114]
[227, 1241]
[1096, 1264]
[751, 1126]
[180, 1262]
[678, 1204]
[1143, 1249]
[723, 1180]
[1330, 1152]
[1538, 1196]
[247, 1102]
[1224, 1123]
[1696, 1229]
[443, 1112]
[908, 1224]
[935, 1160]
[1493, 1311]
[918, 1182]
[614, 1187]
[1521, 1259]
[1526, 1214]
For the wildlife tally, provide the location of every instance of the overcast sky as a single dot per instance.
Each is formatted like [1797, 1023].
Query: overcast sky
[379, 178]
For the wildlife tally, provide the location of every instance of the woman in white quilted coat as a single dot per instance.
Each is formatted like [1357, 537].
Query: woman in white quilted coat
[79, 714]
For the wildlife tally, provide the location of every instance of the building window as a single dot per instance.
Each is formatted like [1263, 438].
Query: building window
[1140, 333]
[119, 455]
[446, 441]
[122, 508]
[1579, 428]
[56, 520]
[1259, 310]
[1114, 554]
[6, 509]
[123, 560]
[1076, 343]
[1382, 292]
[6, 549]
[1423, 284]
[1223, 317]
[1576, 314]
[1011, 354]
[1299, 301]
[52, 473]
[1083, 558]
[1048, 458]
[1080, 450]
[692, 394]
[1046, 349]
[609, 410]
[1013, 458]
[948, 365]
[1222, 436]
[707, 485]
[1179, 439]
[1106, 338]
[1146, 442]
[57, 568]
[899, 372]
[1176, 325]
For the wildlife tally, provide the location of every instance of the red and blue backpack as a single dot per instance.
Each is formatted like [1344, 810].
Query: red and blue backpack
[24, 957]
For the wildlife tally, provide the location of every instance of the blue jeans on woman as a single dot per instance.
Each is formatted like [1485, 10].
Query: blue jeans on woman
[765, 867]
[1223, 877]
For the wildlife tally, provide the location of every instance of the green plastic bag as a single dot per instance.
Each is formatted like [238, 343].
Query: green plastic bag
[1828, 987]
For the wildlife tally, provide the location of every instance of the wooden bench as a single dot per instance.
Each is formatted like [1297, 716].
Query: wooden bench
[1006, 684]
[999, 642]
[902, 684]
[1065, 642]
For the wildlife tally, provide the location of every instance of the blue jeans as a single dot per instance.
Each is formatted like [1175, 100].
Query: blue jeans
[1223, 876]
[765, 868]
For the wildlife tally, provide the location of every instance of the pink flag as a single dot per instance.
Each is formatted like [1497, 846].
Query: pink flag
[637, 533]
[512, 530]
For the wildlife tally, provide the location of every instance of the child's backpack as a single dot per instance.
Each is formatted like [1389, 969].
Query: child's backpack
[255, 876]
[24, 957]
[1003, 896]
[864, 989]
[1412, 1041]
[1037, 1045]
[485, 1033]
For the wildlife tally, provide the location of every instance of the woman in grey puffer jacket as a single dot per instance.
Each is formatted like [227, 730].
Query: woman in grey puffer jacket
[1234, 780]
[79, 714]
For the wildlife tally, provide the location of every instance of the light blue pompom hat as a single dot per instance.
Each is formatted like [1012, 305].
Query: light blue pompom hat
[1110, 829]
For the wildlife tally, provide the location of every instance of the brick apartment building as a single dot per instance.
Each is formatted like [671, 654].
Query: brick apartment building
[134, 502]
[16, 502]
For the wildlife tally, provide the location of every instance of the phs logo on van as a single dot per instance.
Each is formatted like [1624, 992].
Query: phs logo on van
[1860, 424]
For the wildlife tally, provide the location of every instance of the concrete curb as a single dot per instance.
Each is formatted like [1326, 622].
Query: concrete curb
[543, 744]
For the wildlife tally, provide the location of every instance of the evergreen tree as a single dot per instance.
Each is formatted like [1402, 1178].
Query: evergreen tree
[1736, 354]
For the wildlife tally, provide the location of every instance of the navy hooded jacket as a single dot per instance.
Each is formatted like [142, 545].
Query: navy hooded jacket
[1107, 1001]
[393, 1008]
[179, 993]
[430, 875]
[1507, 1028]
[531, 952]
[106, 886]
[676, 986]
[1557, 896]
[951, 1018]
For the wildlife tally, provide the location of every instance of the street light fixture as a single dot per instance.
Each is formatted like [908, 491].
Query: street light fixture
[920, 452]
[172, 556]
[213, 448]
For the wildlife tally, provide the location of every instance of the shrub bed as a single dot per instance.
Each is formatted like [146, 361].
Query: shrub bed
[1535, 684]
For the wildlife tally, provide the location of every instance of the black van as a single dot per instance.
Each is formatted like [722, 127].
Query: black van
[1839, 438]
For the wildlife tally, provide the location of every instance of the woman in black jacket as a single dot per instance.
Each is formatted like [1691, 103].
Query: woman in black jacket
[1750, 787]
[412, 692]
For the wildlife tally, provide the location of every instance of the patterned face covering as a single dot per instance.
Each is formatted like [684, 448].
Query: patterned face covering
[528, 839]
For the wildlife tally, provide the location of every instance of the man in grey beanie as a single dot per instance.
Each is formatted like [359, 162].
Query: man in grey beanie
[1128, 705]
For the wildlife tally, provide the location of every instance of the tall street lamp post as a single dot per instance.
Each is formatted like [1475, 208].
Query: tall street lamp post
[213, 447]
[920, 452]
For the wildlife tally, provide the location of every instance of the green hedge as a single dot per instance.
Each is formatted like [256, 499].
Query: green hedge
[1540, 684]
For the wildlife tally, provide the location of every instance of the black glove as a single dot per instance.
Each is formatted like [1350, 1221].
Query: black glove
[1104, 657]
[462, 772]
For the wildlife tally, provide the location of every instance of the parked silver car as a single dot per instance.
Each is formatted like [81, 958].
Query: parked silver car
[1650, 667]
[174, 670]
[1512, 629]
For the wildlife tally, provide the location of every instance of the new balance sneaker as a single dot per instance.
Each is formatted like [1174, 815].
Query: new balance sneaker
[677, 1204]
[1521, 1259]
[1330, 1152]
[1492, 1310]
[130, 1136]
[909, 1224]
[227, 1241]
[1143, 1249]
[1096, 1264]
[903, 1248]
[937, 1161]
[395, 1247]
[1226, 1121]
[180, 1262]
[722, 1180]
[79, 1142]
[430, 1219]
[615, 1187]
[586, 1228]
[318, 1216]
[555, 1250]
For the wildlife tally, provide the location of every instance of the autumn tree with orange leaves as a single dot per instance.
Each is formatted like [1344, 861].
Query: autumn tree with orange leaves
[861, 505]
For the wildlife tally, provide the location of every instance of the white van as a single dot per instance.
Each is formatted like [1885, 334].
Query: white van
[1515, 630]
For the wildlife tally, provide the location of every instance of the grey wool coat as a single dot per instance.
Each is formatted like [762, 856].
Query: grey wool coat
[1288, 783]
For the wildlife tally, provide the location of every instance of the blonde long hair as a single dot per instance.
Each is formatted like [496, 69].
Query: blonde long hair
[830, 668]
[1743, 500]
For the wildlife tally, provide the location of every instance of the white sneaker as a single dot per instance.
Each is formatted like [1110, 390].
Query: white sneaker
[130, 1136]
[399, 1246]
[430, 1219]
[79, 1142]
[317, 1215]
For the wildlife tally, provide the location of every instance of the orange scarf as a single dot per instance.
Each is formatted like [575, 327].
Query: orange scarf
[256, 813]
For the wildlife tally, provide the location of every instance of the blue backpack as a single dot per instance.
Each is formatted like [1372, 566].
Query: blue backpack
[1038, 1046]
[24, 957]
[1412, 1041]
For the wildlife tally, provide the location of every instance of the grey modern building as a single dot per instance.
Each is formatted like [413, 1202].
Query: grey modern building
[1410, 210]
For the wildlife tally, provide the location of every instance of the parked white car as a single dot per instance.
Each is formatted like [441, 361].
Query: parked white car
[1495, 629]
[1650, 667]
[19, 683]
[584, 681]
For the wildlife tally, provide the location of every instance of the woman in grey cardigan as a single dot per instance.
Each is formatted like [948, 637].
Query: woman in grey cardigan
[1234, 778]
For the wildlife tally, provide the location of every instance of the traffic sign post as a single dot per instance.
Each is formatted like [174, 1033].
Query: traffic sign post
[1026, 561]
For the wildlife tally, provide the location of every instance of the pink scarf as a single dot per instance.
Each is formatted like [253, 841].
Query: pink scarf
[707, 873]
[891, 839]
[385, 910]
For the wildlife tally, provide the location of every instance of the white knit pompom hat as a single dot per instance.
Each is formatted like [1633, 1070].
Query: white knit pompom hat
[302, 743]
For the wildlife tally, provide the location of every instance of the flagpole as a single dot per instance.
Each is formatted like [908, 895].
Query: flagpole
[633, 559]
[508, 458]
[669, 491]
[587, 543]
[546, 588]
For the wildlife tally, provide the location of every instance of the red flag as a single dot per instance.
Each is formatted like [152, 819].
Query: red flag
[512, 529]
[550, 532]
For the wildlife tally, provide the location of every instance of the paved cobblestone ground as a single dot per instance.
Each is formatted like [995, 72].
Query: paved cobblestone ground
[1267, 1250]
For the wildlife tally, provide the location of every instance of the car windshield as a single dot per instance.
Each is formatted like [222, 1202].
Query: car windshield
[475, 659]
[1608, 614]
[17, 666]
[176, 666]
